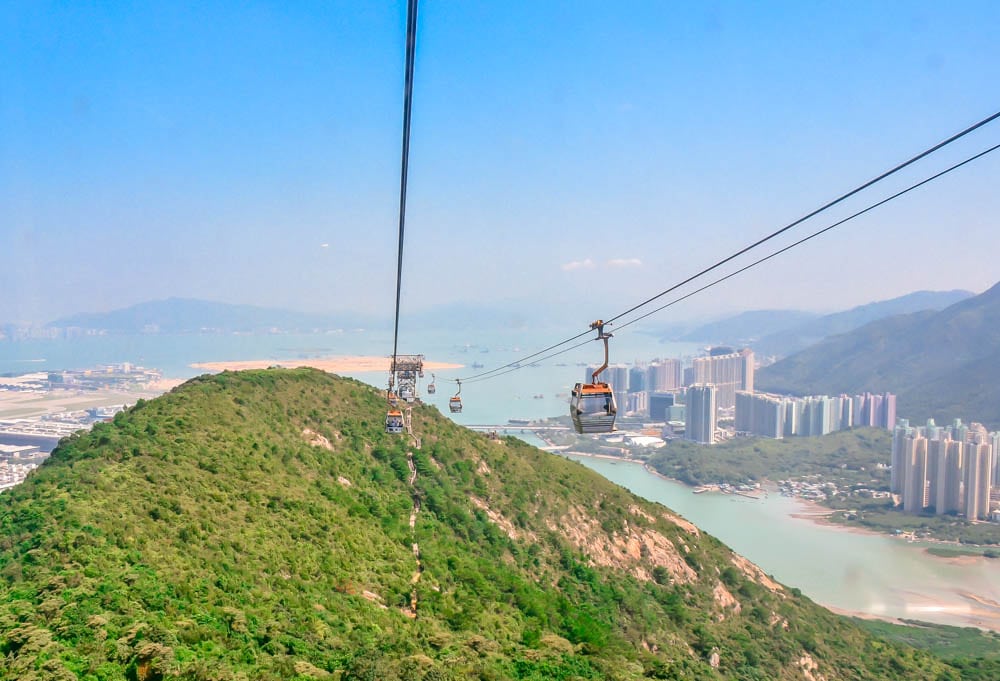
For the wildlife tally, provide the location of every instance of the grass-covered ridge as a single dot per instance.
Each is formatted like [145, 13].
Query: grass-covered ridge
[257, 525]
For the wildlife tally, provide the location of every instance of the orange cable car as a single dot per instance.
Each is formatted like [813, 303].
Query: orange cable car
[455, 402]
[592, 405]
[394, 421]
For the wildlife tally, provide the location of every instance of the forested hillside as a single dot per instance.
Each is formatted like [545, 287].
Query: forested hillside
[261, 525]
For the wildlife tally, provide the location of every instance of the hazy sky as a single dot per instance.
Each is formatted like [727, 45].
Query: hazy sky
[586, 153]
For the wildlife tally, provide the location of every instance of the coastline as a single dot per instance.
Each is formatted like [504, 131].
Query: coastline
[970, 606]
[339, 364]
[814, 512]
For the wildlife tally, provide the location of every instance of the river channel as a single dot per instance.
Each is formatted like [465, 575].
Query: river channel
[847, 570]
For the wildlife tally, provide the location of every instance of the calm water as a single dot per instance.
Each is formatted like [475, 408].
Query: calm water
[858, 572]
[867, 573]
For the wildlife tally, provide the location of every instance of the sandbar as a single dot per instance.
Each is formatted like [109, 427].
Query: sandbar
[338, 365]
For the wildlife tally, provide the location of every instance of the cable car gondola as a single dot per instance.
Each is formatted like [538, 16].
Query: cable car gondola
[592, 405]
[455, 402]
[394, 421]
[431, 388]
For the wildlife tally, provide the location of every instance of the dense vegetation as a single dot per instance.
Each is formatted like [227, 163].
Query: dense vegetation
[846, 458]
[940, 364]
[975, 652]
[257, 526]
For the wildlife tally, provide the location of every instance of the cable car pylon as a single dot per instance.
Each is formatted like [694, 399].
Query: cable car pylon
[592, 406]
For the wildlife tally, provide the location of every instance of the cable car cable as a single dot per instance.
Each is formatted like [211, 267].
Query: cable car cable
[486, 374]
[411, 43]
[819, 210]
[519, 367]
[809, 237]
[830, 204]
[514, 366]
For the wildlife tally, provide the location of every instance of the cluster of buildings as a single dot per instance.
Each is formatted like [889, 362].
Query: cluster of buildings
[16, 461]
[124, 376]
[779, 416]
[945, 469]
[714, 399]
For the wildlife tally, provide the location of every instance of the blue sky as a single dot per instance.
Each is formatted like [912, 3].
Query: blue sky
[580, 154]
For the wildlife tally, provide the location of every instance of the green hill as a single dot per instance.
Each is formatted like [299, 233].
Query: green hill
[942, 364]
[258, 526]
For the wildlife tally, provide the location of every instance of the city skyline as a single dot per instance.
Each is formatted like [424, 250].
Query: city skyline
[250, 155]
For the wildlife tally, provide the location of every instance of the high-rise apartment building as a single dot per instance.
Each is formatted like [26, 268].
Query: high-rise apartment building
[874, 411]
[948, 486]
[977, 480]
[659, 402]
[728, 373]
[636, 379]
[760, 414]
[664, 374]
[915, 474]
[995, 447]
[899, 435]
[700, 413]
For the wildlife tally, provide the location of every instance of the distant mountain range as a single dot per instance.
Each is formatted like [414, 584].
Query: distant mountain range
[786, 341]
[743, 328]
[783, 332]
[943, 364]
[184, 315]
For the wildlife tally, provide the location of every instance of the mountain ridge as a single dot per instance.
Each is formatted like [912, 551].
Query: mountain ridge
[789, 341]
[941, 364]
[782, 332]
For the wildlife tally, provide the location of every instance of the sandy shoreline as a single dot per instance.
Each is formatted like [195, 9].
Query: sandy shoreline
[341, 364]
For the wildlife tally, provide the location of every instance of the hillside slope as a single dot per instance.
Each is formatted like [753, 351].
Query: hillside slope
[260, 525]
[791, 340]
[940, 364]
